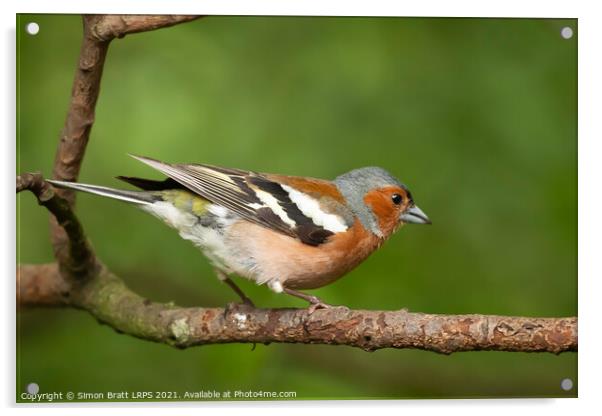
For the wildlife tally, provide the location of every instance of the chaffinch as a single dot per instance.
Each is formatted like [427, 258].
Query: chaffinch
[288, 232]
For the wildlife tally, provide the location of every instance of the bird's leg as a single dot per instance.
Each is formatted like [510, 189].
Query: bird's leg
[315, 302]
[239, 292]
[224, 278]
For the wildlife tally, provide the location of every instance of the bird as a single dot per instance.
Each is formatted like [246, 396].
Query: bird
[291, 233]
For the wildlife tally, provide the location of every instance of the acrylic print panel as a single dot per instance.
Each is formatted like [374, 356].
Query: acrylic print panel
[476, 116]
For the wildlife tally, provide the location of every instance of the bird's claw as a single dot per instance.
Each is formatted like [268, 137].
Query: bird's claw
[316, 303]
[247, 301]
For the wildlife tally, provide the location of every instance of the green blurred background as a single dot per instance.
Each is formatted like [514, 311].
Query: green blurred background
[477, 116]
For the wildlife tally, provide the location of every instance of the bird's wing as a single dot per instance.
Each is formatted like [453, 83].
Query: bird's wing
[259, 198]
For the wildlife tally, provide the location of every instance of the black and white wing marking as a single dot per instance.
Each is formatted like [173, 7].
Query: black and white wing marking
[250, 195]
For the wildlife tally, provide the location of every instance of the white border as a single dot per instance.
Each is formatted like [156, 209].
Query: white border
[508, 8]
[590, 184]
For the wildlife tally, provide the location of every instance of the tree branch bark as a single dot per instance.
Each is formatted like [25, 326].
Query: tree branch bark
[117, 26]
[80, 280]
[111, 302]
[77, 259]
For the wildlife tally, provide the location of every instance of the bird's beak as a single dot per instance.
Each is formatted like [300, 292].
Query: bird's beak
[414, 215]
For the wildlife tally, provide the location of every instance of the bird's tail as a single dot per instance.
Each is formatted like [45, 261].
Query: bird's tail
[136, 197]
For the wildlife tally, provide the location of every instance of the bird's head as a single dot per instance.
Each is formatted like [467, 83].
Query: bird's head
[380, 201]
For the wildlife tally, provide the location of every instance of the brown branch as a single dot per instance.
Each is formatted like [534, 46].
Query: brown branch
[109, 300]
[117, 26]
[76, 132]
[79, 260]
[98, 30]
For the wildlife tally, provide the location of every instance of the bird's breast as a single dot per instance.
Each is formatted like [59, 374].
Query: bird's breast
[297, 265]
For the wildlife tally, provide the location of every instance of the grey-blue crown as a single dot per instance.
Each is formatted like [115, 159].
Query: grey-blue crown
[366, 179]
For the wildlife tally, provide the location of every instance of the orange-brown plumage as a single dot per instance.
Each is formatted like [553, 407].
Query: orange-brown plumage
[386, 212]
[298, 265]
[317, 188]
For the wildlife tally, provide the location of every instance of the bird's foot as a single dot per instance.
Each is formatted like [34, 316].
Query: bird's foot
[316, 303]
[247, 301]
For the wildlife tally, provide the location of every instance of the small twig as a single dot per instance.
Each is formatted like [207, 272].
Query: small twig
[80, 260]
[76, 132]
[117, 26]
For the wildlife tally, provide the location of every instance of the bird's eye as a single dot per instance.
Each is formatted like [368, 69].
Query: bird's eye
[397, 199]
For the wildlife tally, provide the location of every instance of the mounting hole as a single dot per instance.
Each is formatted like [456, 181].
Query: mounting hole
[566, 32]
[33, 388]
[32, 28]
[566, 384]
